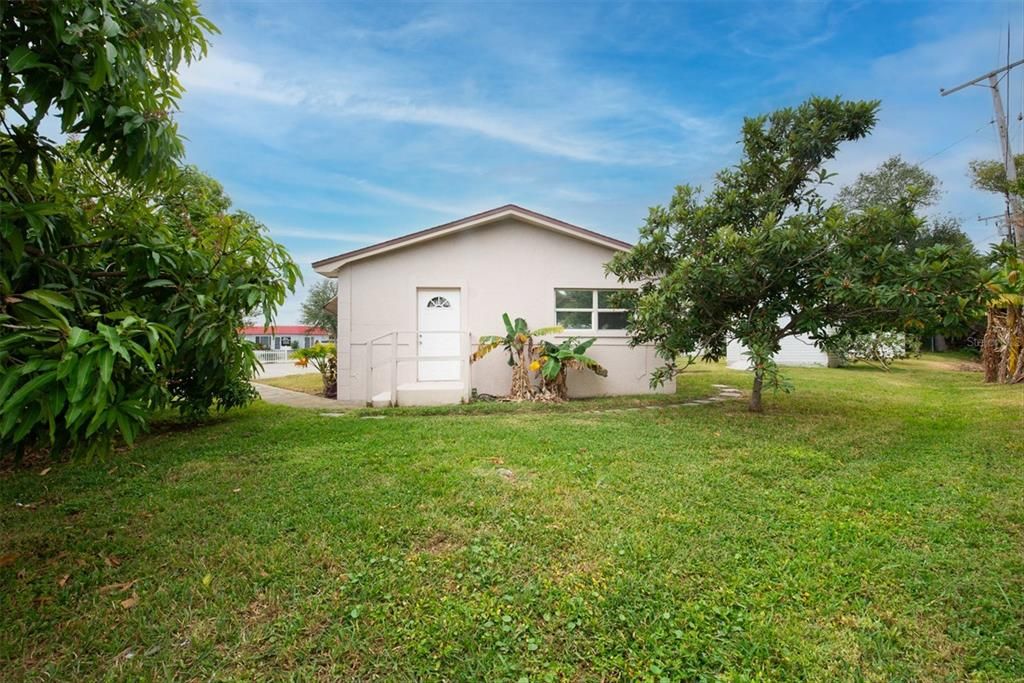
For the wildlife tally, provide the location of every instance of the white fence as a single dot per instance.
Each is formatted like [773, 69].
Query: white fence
[276, 356]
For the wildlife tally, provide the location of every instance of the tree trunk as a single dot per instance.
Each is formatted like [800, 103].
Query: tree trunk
[556, 389]
[522, 388]
[755, 396]
[989, 348]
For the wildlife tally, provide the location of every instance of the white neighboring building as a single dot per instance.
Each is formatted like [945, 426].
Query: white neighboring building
[277, 337]
[796, 350]
[411, 309]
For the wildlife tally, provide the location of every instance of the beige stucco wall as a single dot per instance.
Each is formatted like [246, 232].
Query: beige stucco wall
[509, 266]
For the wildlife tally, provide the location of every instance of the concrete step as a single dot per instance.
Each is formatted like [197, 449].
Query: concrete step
[423, 394]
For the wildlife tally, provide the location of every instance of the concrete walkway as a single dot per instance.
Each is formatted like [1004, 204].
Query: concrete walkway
[297, 399]
[329, 406]
[284, 370]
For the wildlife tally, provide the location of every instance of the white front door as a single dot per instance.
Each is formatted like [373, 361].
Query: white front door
[439, 319]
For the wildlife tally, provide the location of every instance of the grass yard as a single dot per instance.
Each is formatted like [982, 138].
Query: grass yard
[307, 383]
[869, 526]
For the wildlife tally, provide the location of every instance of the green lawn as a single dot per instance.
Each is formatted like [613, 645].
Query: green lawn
[307, 383]
[869, 526]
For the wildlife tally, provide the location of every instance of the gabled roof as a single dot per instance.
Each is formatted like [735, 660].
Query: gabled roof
[329, 266]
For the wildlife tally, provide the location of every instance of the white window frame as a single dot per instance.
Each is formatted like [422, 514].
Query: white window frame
[594, 311]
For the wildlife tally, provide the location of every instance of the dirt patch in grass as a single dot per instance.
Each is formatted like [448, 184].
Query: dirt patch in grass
[439, 543]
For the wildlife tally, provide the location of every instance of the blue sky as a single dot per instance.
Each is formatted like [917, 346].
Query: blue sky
[339, 125]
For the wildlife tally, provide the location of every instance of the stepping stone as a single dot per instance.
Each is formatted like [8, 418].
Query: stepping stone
[373, 417]
[333, 414]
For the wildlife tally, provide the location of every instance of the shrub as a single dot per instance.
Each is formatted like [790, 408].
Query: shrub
[876, 348]
[323, 357]
[123, 298]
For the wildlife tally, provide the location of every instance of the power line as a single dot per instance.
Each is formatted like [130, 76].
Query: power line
[954, 144]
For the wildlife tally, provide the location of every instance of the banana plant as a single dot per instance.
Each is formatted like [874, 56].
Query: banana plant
[518, 343]
[553, 360]
[1003, 346]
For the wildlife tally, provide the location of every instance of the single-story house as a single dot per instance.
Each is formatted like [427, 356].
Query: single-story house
[276, 337]
[412, 309]
[796, 350]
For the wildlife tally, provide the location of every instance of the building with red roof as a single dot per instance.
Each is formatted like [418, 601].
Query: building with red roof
[275, 337]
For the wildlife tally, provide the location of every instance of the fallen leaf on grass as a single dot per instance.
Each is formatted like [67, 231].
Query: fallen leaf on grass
[207, 580]
[7, 559]
[63, 581]
[45, 471]
[111, 560]
[128, 603]
[235, 490]
[117, 587]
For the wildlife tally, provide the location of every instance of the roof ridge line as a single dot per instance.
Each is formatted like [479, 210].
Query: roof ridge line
[412, 236]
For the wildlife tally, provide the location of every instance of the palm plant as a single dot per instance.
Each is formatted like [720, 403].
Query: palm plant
[518, 343]
[1002, 352]
[554, 360]
[323, 357]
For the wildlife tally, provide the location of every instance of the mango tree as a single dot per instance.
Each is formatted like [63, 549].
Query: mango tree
[123, 277]
[765, 256]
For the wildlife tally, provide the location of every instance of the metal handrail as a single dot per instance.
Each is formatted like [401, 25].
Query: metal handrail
[465, 343]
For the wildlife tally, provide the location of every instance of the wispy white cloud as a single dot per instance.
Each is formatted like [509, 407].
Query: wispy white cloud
[227, 76]
[779, 30]
[587, 123]
[325, 234]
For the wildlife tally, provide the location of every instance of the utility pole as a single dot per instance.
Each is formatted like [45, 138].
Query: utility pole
[1016, 213]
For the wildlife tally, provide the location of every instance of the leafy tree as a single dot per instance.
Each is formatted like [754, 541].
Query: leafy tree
[108, 68]
[123, 279]
[764, 256]
[942, 230]
[894, 181]
[314, 312]
[990, 175]
[133, 302]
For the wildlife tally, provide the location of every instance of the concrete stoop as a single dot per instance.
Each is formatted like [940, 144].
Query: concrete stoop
[422, 394]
